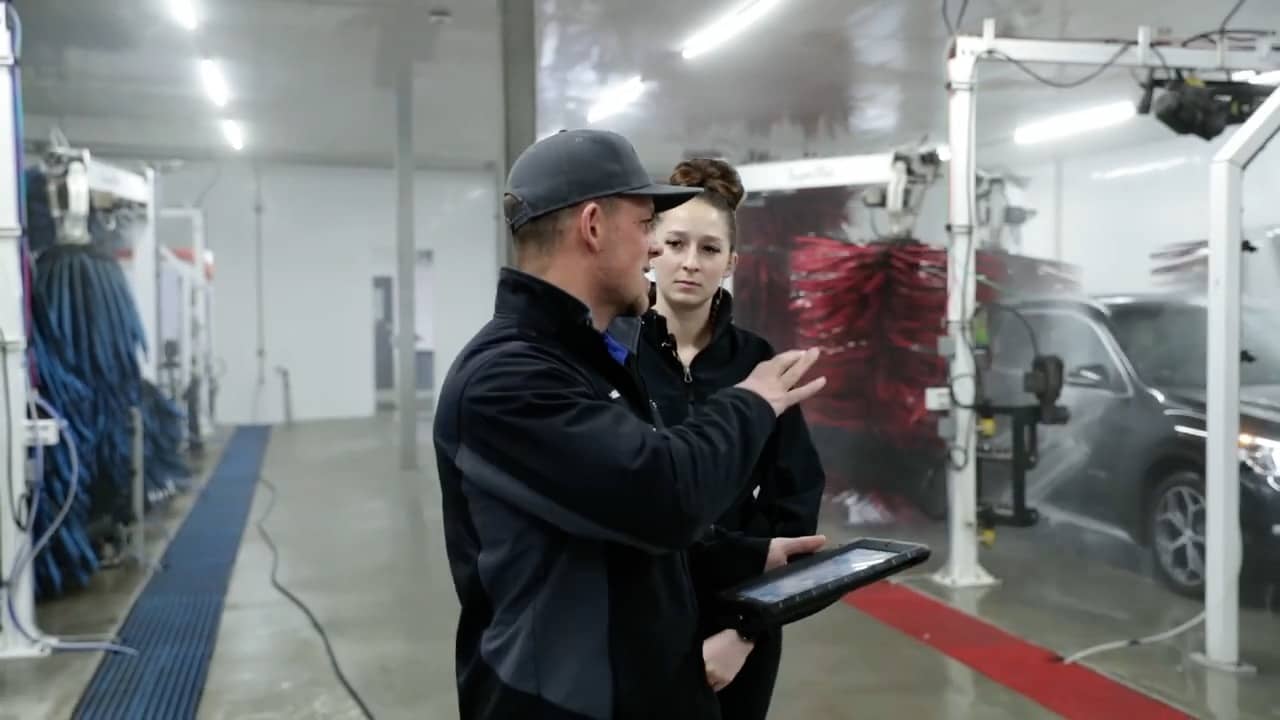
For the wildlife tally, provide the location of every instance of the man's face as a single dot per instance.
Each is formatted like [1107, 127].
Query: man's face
[629, 246]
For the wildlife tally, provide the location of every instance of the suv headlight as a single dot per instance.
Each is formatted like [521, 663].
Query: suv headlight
[1262, 455]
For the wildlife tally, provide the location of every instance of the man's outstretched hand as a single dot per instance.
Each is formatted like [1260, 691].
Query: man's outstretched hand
[781, 550]
[776, 380]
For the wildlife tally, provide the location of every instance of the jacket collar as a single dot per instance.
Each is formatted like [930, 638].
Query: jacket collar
[539, 305]
[625, 330]
[655, 325]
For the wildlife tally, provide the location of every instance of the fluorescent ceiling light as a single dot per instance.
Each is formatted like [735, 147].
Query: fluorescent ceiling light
[234, 134]
[1074, 123]
[724, 29]
[184, 13]
[615, 99]
[215, 83]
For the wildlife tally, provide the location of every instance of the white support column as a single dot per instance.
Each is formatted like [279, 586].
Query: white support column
[962, 568]
[145, 283]
[1222, 461]
[14, 542]
[202, 348]
[406, 269]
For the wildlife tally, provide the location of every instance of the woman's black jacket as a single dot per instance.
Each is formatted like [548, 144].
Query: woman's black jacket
[784, 493]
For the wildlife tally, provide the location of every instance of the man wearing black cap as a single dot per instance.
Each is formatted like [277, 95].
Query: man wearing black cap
[567, 508]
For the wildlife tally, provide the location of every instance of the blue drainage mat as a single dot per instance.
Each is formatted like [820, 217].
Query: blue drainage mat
[174, 622]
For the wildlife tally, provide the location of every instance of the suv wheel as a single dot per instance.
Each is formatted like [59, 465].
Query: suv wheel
[1176, 520]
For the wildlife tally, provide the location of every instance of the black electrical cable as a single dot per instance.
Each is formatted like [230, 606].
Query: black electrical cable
[1124, 47]
[1035, 343]
[946, 18]
[1222, 28]
[324, 636]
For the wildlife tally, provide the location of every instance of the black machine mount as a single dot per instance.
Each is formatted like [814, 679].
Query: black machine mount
[1045, 382]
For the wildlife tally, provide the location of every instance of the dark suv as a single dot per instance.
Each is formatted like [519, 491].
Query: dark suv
[1130, 462]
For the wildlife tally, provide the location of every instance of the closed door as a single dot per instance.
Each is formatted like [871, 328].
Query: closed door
[384, 368]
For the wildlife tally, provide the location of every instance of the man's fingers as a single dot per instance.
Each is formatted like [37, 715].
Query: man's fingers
[792, 374]
[784, 361]
[804, 392]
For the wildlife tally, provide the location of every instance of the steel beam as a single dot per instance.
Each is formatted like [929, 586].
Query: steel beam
[519, 93]
[406, 265]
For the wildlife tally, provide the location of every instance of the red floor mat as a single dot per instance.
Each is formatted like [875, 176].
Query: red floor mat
[1072, 691]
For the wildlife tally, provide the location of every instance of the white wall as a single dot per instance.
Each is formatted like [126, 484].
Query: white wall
[456, 214]
[324, 230]
[1119, 205]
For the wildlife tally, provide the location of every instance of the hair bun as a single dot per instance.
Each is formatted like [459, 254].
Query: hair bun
[715, 176]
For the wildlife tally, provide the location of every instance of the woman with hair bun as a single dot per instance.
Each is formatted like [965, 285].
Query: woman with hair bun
[689, 348]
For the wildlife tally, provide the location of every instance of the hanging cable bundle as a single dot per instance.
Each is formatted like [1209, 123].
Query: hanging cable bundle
[86, 336]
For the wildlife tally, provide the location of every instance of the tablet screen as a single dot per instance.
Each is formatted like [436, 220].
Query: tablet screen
[824, 572]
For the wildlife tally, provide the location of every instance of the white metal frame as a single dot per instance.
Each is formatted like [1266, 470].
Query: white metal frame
[13, 432]
[1223, 536]
[1222, 460]
[845, 171]
[186, 284]
[197, 320]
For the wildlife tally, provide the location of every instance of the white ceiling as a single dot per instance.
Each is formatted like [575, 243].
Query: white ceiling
[817, 77]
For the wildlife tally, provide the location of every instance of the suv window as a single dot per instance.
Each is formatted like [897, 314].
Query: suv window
[1063, 333]
[1167, 343]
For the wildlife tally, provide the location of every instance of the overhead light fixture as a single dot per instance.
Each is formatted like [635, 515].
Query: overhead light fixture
[615, 99]
[215, 83]
[234, 134]
[1074, 123]
[184, 14]
[724, 29]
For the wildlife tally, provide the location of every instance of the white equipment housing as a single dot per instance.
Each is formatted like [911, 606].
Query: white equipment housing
[186, 310]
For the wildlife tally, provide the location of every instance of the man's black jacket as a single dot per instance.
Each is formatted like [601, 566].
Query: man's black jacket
[784, 493]
[568, 513]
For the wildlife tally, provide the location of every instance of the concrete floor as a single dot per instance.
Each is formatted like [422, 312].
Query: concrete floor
[1067, 602]
[379, 582]
[360, 542]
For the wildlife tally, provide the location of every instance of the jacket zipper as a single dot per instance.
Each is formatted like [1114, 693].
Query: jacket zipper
[688, 374]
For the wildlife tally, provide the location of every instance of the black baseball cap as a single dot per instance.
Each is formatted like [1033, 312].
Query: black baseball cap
[574, 166]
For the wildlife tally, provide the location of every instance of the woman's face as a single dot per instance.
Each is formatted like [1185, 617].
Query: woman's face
[696, 255]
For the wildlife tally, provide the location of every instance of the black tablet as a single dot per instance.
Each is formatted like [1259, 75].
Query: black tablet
[803, 587]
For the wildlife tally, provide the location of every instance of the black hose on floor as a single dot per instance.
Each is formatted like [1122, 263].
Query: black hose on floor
[324, 636]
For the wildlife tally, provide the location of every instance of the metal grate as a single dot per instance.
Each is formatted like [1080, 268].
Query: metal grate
[174, 623]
